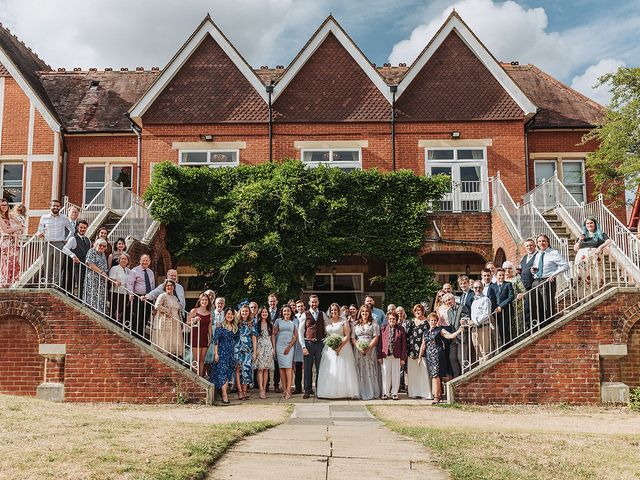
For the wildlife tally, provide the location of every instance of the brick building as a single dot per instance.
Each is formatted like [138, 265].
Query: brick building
[455, 110]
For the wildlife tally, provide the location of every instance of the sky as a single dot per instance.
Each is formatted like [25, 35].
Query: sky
[576, 41]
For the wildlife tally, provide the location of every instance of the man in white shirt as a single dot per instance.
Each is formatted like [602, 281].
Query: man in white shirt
[53, 228]
[481, 323]
[547, 264]
[179, 290]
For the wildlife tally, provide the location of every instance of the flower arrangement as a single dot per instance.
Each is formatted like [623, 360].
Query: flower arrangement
[362, 344]
[332, 341]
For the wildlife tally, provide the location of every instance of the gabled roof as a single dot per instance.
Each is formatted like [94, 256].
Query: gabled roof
[559, 106]
[330, 26]
[96, 101]
[206, 29]
[23, 65]
[455, 24]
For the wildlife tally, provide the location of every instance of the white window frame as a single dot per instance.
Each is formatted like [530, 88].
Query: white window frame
[541, 162]
[558, 163]
[84, 180]
[209, 163]
[357, 165]
[584, 180]
[2, 165]
[456, 199]
[333, 277]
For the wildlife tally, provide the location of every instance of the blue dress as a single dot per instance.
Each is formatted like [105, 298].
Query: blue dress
[286, 330]
[436, 353]
[222, 372]
[243, 352]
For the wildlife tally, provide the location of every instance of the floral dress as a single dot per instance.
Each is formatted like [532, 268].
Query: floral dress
[243, 352]
[264, 357]
[222, 371]
[9, 263]
[415, 334]
[367, 365]
[95, 286]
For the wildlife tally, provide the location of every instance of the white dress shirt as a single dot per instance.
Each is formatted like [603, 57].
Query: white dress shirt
[552, 264]
[55, 227]
[480, 310]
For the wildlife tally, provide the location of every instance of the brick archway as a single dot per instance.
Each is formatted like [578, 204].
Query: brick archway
[26, 311]
[484, 251]
[625, 323]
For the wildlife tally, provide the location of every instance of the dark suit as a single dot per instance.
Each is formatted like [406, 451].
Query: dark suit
[504, 296]
[527, 281]
[454, 315]
[466, 299]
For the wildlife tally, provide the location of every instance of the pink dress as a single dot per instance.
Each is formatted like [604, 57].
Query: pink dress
[9, 258]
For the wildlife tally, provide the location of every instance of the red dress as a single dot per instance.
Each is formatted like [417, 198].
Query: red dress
[201, 339]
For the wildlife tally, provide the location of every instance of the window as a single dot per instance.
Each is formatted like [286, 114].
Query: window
[544, 170]
[93, 182]
[211, 158]
[467, 167]
[570, 173]
[11, 182]
[336, 282]
[123, 176]
[346, 159]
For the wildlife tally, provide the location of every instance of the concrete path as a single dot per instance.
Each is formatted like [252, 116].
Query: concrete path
[327, 442]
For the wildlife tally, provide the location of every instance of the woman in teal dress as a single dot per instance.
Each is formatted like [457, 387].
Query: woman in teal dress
[285, 333]
[224, 364]
[245, 352]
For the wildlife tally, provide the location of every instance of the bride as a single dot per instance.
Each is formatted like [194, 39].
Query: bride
[337, 377]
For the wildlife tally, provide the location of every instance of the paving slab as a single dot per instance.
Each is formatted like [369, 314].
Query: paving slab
[392, 469]
[259, 444]
[242, 466]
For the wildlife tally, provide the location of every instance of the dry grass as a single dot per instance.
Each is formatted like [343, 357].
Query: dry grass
[78, 441]
[524, 442]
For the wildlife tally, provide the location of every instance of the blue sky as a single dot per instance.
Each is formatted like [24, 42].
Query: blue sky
[575, 41]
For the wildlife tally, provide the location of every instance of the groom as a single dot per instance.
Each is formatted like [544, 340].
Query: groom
[310, 335]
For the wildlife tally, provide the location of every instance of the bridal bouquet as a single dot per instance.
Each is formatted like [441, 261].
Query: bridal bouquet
[362, 344]
[332, 341]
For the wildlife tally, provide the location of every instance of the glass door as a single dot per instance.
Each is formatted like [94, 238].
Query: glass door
[121, 195]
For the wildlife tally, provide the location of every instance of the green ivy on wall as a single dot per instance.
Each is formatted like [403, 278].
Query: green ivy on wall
[260, 228]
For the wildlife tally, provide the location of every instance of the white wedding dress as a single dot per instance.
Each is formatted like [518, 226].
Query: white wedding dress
[337, 377]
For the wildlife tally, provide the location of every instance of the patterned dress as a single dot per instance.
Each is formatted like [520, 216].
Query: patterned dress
[222, 371]
[436, 353]
[166, 328]
[243, 352]
[367, 365]
[264, 357]
[9, 263]
[95, 286]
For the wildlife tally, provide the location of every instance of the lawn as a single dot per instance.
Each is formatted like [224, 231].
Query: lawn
[78, 441]
[524, 442]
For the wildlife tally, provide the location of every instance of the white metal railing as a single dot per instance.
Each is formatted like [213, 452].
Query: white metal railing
[526, 218]
[466, 196]
[135, 222]
[112, 196]
[542, 305]
[548, 194]
[167, 331]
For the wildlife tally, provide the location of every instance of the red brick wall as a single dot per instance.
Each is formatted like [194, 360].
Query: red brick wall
[41, 177]
[100, 365]
[460, 228]
[15, 119]
[630, 365]
[42, 136]
[21, 368]
[563, 366]
[501, 238]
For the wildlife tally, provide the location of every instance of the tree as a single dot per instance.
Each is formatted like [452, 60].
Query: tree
[616, 163]
[253, 229]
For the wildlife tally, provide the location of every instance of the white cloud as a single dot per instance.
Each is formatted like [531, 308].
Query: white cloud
[585, 82]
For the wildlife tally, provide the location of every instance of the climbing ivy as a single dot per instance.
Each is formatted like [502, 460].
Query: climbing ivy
[254, 229]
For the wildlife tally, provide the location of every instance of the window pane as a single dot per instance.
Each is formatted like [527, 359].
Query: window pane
[572, 173]
[440, 154]
[577, 192]
[122, 176]
[94, 175]
[321, 282]
[223, 157]
[194, 157]
[347, 282]
[474, 154]
[90, 193]
[470, 174]
[544, 171]
[341, 156]
[318, 156]
[12, 174]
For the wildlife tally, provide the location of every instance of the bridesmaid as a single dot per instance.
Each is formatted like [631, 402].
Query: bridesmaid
[434, 346]
[285, 334]
[200, 321]
[366, 332]
[417, 375]
[224, 340]
[265, 346]
[244, 352]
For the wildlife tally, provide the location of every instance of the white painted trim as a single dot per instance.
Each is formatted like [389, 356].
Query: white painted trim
[453, 23]
[207, 28]
[208, 145]
[1, 108]
[559, 155]
[26, 192]
[26, 88]
[331, 27]
[106, 160]
[13, 157]
[477, 142]
[13, 161]
[55, 180]
[210, 163]
[41, 158]
[328, 144]
[32, 119]
[37, 213]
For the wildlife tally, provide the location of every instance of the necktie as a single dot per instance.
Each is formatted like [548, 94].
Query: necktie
[147, 281]
[499, 289]
[315, 315]
[540, 265]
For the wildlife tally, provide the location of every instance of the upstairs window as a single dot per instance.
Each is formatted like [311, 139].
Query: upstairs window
[11, 182]
[346, 159]
[211, 158]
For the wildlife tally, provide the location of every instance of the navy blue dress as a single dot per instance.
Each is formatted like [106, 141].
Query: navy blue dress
[436, 356]
[223, 371]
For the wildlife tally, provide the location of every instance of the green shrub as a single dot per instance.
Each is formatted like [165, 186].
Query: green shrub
[634, 399]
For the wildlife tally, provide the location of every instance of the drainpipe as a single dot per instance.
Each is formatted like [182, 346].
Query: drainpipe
[527, 127]
[138, 131]
[269, 89]
[65, 154]
[394, 89]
